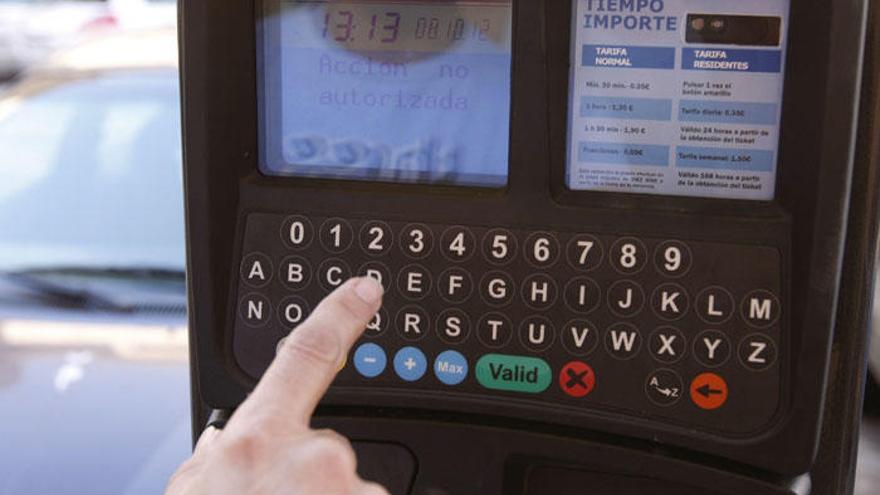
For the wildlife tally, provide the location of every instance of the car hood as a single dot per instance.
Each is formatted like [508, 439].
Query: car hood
[99, 407]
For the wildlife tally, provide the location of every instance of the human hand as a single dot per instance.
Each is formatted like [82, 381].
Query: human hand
[267, 447]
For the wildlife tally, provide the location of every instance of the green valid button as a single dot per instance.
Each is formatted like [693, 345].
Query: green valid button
[513, 373]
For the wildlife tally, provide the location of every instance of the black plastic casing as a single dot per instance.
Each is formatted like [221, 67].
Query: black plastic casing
[807, 223]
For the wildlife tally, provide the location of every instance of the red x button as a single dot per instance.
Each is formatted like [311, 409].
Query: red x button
[577, 379]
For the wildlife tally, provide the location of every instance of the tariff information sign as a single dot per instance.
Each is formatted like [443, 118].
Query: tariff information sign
[676, 97]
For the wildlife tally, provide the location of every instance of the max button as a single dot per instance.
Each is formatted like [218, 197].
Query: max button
[513, 373]
[709, 391]
[451, 367]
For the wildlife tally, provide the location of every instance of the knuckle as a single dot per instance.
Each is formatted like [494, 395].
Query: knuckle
[244, 450]
[312, 343]
[372, 488]
[334, 454]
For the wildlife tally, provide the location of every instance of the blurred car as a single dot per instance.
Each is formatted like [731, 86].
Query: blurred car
[93, 352]
[32, 30]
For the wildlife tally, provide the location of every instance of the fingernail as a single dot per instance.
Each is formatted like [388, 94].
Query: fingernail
[369, 290]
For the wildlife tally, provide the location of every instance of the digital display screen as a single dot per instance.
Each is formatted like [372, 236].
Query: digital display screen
[673, 97]
[395, 90]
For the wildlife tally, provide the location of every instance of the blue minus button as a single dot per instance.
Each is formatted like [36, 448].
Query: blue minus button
[451, 367]
[369, 360]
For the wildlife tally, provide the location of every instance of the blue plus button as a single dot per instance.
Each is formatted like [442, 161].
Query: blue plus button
[370, 360]
[451, 367]
[410, 364]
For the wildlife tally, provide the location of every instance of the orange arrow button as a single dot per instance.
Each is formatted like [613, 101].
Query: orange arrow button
[709, 391]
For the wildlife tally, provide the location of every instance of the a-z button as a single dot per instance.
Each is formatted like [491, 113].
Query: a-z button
[623, 341]
[378, 272]
[714, 305]
[332, 273]
[582, 295]
[536, 333]
[539, 291]
[455, 285]
[496, 289]
[625, 298]
[709, 391]
[513, 373]
[760, 308]
[414, 282]
[378, 324]
[712, 348]
[580, 337]
[494, 330]
[412, 323]
[410, 364]
[667, 344]
[295, 272]
[256, 269]
[757, 352]
[577, 379]
[663, 387]
[453, 326]
[255, 310]
[669, 301]
[292, 311]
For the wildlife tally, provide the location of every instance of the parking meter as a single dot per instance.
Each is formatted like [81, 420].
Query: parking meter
[625, 244]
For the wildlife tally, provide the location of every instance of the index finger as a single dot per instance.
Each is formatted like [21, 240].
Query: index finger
[311, 355]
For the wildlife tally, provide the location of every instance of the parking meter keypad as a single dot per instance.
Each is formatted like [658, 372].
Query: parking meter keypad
[674, 330]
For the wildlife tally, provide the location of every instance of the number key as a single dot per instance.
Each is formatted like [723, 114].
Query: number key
[499, 246]
[542, 249]
[458, 243]
[376, 238]
[335, 235]
[628, 255]
[585, 252]
[297, 232]
[673, 258]
[416, 240]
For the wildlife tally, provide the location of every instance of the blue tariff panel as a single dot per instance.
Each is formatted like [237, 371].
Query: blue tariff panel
[628, 57]
[731, 60]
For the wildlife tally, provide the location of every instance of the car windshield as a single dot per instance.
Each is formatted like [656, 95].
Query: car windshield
[92, 173]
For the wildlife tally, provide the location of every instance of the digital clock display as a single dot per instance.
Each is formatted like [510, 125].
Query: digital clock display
[393, 90]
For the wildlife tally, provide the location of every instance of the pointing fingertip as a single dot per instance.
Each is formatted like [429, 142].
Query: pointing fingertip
[369, 290]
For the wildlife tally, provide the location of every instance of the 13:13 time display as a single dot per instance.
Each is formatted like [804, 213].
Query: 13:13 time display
[344, 25]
